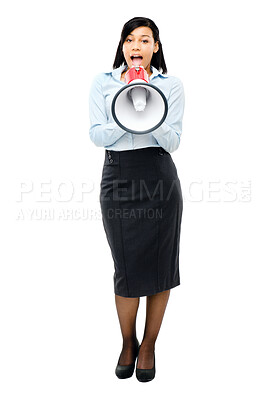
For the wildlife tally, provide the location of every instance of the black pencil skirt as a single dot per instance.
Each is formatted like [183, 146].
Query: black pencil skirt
[141, 205]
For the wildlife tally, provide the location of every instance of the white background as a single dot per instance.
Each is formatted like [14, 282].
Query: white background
[60, 335]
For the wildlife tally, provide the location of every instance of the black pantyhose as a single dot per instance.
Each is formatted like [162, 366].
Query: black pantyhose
[127, 312]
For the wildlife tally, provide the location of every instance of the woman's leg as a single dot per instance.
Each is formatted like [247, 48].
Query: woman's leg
[155, 308]
[127, 311]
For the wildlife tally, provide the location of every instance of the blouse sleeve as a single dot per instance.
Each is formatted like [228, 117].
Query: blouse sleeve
[168, 134]
[101, 132]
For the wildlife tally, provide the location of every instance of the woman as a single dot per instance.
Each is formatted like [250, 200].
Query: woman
[141, 199]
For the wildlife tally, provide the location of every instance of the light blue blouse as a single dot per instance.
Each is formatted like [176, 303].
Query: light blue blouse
[104, 131]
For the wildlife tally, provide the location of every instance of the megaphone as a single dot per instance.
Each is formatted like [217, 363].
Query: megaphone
[139, 107]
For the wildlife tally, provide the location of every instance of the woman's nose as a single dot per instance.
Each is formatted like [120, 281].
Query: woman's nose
[135, 47]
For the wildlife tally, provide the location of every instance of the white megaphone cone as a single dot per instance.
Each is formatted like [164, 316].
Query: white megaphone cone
[138, 95]
[139, 107]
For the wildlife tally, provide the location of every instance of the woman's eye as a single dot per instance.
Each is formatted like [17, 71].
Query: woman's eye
[146, 41]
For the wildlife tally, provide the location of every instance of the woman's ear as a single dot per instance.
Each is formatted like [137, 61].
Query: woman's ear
[156, 48]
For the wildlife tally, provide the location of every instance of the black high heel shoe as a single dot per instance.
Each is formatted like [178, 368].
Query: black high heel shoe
[146, 375]
[126, 371]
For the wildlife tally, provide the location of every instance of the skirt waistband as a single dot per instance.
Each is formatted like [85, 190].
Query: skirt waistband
[114, 155]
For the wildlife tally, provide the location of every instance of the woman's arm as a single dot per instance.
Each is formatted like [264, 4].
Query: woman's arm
[169, 133]
[101, 132]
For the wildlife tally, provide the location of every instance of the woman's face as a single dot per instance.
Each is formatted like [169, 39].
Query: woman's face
[140, 42]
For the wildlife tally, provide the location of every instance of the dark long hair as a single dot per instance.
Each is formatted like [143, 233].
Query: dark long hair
[157, 59]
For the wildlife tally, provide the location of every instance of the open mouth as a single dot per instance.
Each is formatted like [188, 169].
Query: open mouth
[136, 58]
